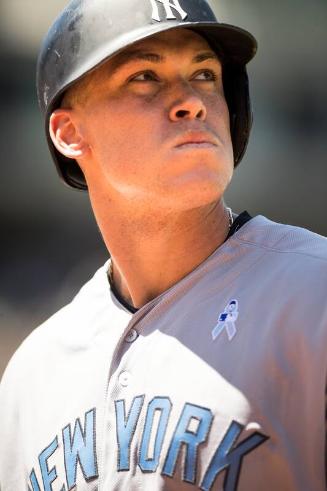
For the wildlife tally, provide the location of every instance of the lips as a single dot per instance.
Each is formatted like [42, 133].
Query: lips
[196, 138]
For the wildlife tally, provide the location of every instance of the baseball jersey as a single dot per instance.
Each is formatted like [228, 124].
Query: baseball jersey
[217, 384]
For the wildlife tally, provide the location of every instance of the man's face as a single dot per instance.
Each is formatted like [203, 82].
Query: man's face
[157, 124]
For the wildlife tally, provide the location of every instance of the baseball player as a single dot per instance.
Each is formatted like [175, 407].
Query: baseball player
[196, 357]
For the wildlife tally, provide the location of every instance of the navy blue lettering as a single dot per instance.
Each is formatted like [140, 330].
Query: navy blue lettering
[230, 459]
[81, 449]
[184, 436]
[162, 405]
[125, 428]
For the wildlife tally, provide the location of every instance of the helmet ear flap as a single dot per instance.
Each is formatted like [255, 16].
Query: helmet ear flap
[236, 88]
[68, 168]
[74, 175]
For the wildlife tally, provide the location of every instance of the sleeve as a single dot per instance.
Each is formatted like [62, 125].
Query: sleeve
[11, 424]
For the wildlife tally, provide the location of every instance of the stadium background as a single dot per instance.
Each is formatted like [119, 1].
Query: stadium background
[50, 244]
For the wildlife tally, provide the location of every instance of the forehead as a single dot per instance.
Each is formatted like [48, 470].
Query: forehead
[175, 41]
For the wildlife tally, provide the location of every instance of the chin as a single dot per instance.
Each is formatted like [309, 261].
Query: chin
[203, 171]
[193, 193]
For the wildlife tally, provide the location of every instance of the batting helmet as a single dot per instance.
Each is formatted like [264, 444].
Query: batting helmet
[89, 32]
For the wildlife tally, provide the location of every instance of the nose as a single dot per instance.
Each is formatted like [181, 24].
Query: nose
[189, 105]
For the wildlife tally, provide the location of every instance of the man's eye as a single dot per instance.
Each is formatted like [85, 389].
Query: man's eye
[206, 75]
[144, 77]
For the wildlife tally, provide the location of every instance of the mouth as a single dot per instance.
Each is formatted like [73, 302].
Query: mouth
[196, 140]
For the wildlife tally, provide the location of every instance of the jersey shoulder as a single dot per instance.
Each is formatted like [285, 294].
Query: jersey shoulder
[69, 328]
[283, 239]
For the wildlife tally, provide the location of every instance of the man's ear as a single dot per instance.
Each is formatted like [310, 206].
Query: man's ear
[65, 135]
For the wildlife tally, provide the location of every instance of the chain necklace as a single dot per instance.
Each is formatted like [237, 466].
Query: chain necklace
[230, 218]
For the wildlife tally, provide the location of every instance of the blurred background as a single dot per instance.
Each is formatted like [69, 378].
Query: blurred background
[50, 244]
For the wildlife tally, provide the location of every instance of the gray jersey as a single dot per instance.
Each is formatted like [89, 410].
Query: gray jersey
[218, 384]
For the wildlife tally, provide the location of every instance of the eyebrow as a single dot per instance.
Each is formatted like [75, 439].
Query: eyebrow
[136, 55]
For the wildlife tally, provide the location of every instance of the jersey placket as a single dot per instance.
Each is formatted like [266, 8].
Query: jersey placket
[118, 381]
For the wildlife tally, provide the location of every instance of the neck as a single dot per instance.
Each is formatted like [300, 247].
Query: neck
[151, 254]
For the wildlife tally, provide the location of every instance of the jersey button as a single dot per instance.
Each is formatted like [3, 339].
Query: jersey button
[131, 336]
[124, 379]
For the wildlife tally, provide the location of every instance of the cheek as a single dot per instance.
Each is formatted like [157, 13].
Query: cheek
[122, 129]
[124, 141]
[218, 114]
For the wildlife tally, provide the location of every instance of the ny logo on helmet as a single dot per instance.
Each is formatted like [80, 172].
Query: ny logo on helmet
[168, 5]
